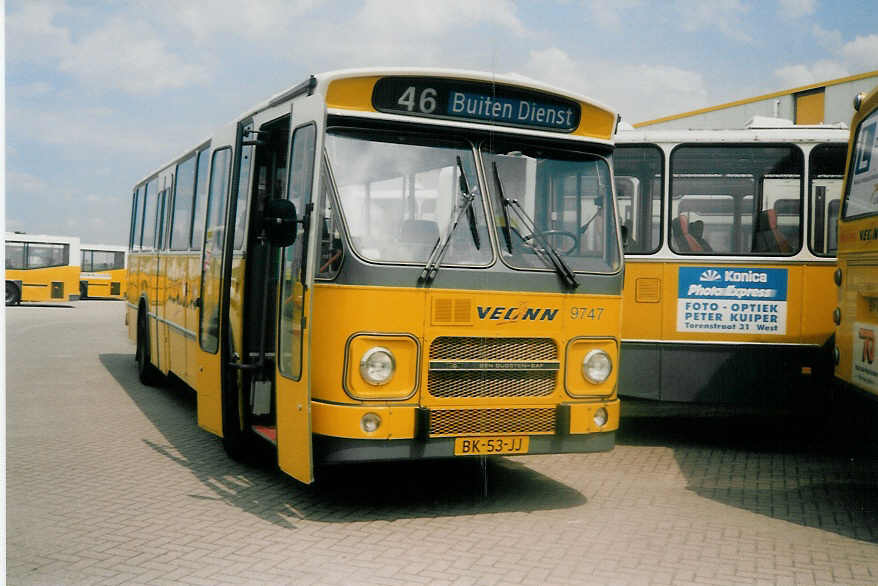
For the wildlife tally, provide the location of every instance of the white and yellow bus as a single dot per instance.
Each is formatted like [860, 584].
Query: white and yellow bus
[857, 273]
[41, 268]
[730, 239]
[389, 264]
[103, 271]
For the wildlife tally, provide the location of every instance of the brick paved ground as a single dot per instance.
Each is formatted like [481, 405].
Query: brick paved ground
[110, 482]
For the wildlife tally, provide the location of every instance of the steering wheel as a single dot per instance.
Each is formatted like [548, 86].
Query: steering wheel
[573, 237]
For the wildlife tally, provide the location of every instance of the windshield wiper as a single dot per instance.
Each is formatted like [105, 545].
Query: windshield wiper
[432, 266]
[541, 246]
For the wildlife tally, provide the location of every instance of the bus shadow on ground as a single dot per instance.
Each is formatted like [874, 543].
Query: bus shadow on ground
[813, 471]
[357, 492]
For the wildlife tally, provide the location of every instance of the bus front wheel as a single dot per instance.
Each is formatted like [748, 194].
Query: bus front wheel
[13, 295]
[146, 372]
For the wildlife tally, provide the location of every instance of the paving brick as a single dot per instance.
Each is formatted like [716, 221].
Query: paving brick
[110, 482]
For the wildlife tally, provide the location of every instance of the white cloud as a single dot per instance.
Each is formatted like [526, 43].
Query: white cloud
[428, 18]
[254, 21]
[862, 52]
[123, 53]
[797, 75]
[129, 56]
[609, 13]
[670, 89]
[724, 15]
[829, 39]
[796, 8]
[857, 56]
[31, 34]
[17, 181]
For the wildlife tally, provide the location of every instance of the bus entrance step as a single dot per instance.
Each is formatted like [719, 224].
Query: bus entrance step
[266, 432]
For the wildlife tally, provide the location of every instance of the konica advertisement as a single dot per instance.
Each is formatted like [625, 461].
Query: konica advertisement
[722, 300]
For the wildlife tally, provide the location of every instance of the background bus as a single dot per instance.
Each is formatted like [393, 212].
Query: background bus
[731, 239]
[414, 306]
[857, 273]
[41, 268]
[103, 271]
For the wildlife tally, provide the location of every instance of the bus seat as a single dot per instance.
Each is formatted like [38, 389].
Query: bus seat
[696, 230]
[768, 237]
[684, 240]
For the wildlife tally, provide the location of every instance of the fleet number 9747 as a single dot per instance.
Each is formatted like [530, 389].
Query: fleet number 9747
[586, 312]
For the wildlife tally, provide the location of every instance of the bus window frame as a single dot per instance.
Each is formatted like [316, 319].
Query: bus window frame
[758, 197]
[664, 189]
[849, 170]
[464, 142]
[186, 237]
[811, 212]
[199, 204]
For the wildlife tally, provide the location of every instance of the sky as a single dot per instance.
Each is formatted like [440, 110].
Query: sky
[98, 94]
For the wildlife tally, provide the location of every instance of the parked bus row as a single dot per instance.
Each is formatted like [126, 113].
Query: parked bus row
[404, 264]
[43, 268]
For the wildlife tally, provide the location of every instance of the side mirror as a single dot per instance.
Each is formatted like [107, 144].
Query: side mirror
[279, 221]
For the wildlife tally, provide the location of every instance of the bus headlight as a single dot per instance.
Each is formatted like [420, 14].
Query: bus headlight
[601, 417]
[597, 366]
[377, 365]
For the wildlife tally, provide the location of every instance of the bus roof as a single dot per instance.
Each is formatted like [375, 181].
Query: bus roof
[319, 83]
[42, 238]
[760, 132]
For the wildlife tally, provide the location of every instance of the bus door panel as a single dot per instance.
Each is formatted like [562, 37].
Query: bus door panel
[298, 264]
[818, 301]
[644, 295]
[162, 276]
[209, 326]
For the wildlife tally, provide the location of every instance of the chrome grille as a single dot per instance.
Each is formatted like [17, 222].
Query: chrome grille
[457, 422]
[506, 368]
[491, 383]
[454, 348]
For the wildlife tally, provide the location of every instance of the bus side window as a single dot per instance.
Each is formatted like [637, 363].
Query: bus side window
[331, 250]
[199, 205]
[15, 255]
[181, 214]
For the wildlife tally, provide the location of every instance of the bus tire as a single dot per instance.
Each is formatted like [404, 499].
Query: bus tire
[13, 294]
[146, 372]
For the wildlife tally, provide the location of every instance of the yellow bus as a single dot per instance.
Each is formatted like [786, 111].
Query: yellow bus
[857, 273]
[41, 268]
[103, 271]
[389, 264]
[730, 239]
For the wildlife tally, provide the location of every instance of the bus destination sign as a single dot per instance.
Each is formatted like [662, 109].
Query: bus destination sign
[475, 101]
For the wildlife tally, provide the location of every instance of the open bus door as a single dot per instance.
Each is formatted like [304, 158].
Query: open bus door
[297, 267]
[212, 296]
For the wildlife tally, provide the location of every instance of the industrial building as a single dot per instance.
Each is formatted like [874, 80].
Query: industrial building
[827, 102]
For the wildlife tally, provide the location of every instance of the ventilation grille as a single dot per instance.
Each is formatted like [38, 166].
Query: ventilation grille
[458, 422]
[452, 311]
[454, 348]
[647, 290]
[491, 383]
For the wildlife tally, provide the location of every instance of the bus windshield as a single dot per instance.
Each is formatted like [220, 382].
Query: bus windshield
[568, 198]
[400, 193]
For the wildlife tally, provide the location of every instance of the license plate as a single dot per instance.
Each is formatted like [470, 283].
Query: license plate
[483, 446]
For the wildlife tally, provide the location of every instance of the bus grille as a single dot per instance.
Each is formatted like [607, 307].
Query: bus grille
[453, 348]
[497, 375]
[457, 422]
[491, 384]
